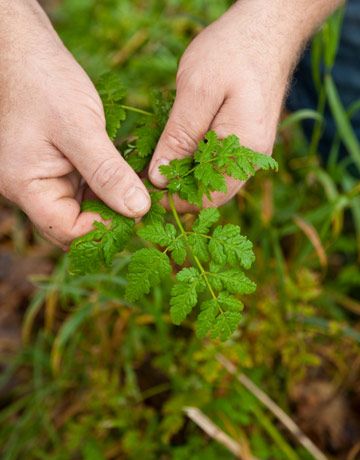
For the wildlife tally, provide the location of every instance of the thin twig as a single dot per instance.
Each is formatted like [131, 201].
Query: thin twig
[274, 408]
[212, 430]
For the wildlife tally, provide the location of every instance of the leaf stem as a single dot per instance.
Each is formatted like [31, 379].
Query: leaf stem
[136, 110]
[197, 261]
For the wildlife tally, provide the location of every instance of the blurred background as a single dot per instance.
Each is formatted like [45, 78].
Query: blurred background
[86, 376]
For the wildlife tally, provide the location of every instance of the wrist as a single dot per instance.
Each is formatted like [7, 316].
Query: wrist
[279, 29]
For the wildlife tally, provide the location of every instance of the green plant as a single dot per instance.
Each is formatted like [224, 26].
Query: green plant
[207, 257]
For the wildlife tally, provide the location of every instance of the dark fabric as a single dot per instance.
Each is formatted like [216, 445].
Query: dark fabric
[346, 74]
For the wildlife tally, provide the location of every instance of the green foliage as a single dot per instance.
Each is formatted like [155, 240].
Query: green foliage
[149, 130]
[90, 253]
[215, 253]
[184, 295]
[147, 268]
[213, 160]
[112, 93]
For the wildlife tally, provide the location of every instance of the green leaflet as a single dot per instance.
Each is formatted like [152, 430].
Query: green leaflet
[206, 219]
[147, 268]
[158, 233]
[91, 252]
[157, 212]
[165, 235]
[149, 131]
[112, 93]
[234, 281]
[184, 294]
[227, 245]
[213, 160]
[219, 317]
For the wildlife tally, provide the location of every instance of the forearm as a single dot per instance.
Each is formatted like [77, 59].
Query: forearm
[281, 28]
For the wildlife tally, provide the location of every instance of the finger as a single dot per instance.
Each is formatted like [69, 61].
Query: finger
[108, 175]
[194, 108]
[51, 206]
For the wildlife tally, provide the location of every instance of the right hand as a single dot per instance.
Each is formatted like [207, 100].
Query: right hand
[52, 132]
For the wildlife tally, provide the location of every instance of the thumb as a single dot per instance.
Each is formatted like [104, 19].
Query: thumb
[108, 175]
[194, 109]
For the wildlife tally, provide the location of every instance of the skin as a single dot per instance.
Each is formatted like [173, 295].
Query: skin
[53, 142]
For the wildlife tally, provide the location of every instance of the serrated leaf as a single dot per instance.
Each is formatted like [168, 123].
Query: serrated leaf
[206, 318]
[213, 160]
[137, 163]
[199, 247]
[178, 250]
[205, 220]
[234, 281]
[89, 253]
[157, 211]
[225, 325]
[184, 294]
[112, 93]
[158, 233]
[146, 269]
[176, 169]
[229, 302]
[86, 254]
[148, 136]
[151, 128]
[209, 178]
[241, 162]
[227, 245]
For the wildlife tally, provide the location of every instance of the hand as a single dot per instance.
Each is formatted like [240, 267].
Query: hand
[233, 78]
[52, 132]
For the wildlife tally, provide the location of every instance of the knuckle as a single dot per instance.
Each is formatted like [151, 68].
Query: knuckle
[107, 174]
[193, 81]
[180, 140]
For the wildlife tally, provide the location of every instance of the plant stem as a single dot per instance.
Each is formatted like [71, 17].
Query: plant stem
[136, 110]
[184, 233]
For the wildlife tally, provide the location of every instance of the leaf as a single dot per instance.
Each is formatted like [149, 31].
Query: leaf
[207, 317]
[209, 178]
[89, 253]
[178, 250]
[157, 212]
[225, 325]
[182, 181]
[158, 233]
[213, 160]
[184, 294]
[219, 317]
[206, 219]
[112, 93]
[234, 281]
[166, 236]
[240, 162]
[148, 136]
[151, 128]
[229, 302]
[137, 163]
[206, 172]
[199, 246]
[146, 269]
[177, 169]
[227, 245]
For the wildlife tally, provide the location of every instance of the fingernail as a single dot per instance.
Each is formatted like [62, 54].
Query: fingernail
[156, 175]
[136, 200]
